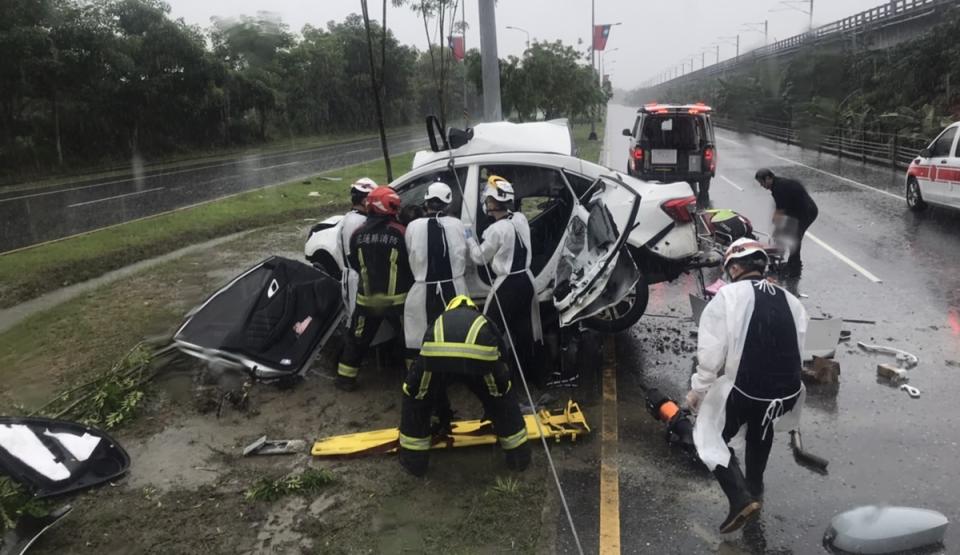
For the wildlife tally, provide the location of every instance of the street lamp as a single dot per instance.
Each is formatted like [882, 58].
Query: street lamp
[524, 31]
[603, 58]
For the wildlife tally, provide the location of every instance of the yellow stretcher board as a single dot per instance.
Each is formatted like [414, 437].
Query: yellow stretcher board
[567, 422]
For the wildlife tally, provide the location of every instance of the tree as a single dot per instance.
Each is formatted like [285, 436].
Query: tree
[375, 83]
[441, 15]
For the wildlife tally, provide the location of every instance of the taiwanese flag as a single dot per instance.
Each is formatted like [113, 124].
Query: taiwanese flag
[600, 35]
[456, 45]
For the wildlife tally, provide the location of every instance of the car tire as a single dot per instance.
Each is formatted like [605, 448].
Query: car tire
[625, 314]
[914, 199]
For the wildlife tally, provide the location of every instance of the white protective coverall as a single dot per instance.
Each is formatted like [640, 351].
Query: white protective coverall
[350, 280]
[722, 339]
[437, 249]
[497, 248]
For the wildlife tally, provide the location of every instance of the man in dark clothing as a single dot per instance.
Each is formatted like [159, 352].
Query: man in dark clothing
[792, 201]
[378, 254]
[460, 346]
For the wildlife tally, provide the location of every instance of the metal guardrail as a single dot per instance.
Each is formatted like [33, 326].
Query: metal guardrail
[890, 13]
[870, 147]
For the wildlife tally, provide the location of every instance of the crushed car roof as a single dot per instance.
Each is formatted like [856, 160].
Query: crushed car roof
[541, 136]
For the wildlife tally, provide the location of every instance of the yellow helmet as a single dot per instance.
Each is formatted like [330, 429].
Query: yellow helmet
[460, 300]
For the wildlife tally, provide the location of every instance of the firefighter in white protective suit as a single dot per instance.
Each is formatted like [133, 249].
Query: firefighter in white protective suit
[505, 246]
[752, 332]
[350, 223]
[437, 250]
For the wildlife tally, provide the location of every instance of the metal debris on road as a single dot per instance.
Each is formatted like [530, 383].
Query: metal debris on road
[805, 458]
[264, 446]
[903, 357]
[892, 372]
[911, 391]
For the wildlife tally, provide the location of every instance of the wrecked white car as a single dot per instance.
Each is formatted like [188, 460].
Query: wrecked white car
[636, 233]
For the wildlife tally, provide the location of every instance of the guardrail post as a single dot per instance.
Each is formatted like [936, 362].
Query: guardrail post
[839, 142]
[895, 156]
[863, 145]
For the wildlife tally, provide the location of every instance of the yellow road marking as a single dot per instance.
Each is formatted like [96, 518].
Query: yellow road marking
[609, 471]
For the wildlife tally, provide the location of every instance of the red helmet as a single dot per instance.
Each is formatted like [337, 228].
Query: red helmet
[383, 200]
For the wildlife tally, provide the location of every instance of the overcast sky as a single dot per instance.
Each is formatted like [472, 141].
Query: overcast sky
[654, 35]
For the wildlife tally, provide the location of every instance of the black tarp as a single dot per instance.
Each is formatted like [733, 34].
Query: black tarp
[272, 319]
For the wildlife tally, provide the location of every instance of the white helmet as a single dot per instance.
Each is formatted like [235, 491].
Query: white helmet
[744, 247]
[499, 189]
[364, 185]
[439, 191]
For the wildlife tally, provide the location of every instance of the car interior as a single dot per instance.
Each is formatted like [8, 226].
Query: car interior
[681, 133]
[411, 194]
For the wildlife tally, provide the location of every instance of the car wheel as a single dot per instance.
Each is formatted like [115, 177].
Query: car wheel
[624, 314]
[914, 199]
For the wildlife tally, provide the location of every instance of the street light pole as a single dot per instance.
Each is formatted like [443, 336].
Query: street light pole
[524, 31]
[489, 63]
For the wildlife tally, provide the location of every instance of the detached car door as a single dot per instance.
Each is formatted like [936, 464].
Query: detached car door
[595, 271]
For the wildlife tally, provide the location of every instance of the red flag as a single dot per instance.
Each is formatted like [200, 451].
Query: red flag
[455, 43]
[600, 35]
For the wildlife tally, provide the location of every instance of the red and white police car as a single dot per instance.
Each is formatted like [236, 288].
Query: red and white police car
[934, 176]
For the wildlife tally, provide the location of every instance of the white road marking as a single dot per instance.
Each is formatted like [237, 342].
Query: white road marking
[115, 197]
[840, 177]
[731, 183]
[844, 259]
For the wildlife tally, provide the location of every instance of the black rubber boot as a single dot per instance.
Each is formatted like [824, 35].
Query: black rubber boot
[519, 458]
[414, 462]
[343, 383]
[742, 505]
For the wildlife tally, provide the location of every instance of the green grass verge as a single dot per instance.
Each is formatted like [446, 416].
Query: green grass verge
[30, 273]
[587, 149]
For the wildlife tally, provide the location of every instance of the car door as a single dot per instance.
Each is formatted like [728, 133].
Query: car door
[594, 270]
[954, 173]
[933, 185]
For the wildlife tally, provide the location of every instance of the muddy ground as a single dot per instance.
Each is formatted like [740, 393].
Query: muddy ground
[185, 489]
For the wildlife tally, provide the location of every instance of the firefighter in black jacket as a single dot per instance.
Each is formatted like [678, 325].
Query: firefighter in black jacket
[462, 345]
[378, 254]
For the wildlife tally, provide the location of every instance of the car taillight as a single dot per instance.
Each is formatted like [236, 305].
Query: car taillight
[638, 154]
[679, 208]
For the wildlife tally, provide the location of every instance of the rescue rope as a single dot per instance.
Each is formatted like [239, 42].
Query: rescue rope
[523, 378]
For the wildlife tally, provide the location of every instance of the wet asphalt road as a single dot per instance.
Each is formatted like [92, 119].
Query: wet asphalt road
[883, 446]
[37, 215]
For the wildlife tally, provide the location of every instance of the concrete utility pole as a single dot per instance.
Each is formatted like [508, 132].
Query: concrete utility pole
[489, 62]
[463, 29]
[593, 63]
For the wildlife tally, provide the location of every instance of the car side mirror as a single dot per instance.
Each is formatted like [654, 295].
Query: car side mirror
[925, 153]
[52, 457]
[627, 133]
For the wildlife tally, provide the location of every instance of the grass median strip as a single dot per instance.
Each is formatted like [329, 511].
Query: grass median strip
[32, 272]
